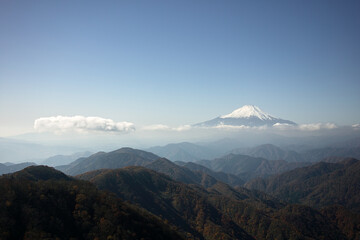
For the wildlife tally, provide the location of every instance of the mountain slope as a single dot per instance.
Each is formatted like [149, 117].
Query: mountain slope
[319, 154]
[178, 173]
[186, 152]
[227, 178]
[10, 168]
[42, 203]
[247, 167]
[347, 221]
[116, 159]
[219, 212]
[319, 185]
[270, 152]
[247, 115]
[38, 173]
[132, 157]
[58, 160]
[176, 202]
[201, 176]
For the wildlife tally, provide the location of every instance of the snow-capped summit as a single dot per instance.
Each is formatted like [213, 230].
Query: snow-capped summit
[248, 116]
[248, 111]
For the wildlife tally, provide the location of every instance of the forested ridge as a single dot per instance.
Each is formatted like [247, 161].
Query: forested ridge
[42, 203]
[138, 203]
[217, 212]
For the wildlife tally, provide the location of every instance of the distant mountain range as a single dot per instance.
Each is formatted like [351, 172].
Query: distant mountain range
[10, 168]
[116, 159]
[227, 178]
[232, 169]
[190, 152]
[247, 167]
[125, 157]
[248, 115]
[58, 160]
[270, 152]
[16, 151]
[185, 152]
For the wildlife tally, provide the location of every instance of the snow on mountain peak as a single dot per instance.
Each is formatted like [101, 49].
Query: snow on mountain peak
[248, 115]
[248, 111]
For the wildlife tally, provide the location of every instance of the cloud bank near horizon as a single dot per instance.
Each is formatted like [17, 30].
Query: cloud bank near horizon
[162, 127]
[81, 124]
[311, 127]
[306, 127]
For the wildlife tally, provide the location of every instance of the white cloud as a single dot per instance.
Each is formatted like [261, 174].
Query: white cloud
[317, 126]
[156, 127]
[305, 127]
[283, 125]
[356, 126]
[61, 124]
[162, 127]
[182, 128]
[222, 126]
[278, 126]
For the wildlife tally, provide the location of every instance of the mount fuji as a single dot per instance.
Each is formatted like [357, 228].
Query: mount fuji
[248, 115]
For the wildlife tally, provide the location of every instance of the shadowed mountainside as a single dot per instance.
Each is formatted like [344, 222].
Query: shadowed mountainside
[42, 203]
[319, 185]
[192, 175]
[230, 179]
[218, 212]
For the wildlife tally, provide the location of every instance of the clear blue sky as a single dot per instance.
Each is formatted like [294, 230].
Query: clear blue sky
[178, 62]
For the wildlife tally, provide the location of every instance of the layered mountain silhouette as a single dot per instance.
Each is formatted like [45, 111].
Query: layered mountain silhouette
[272, 152]
[218, 212]
[228, 178]
[233, 169]
[319, 185]
[185, 152]
[58, 160]
[178, 173]
[42, 203]
[10, 168]
[116, 159]
[248, 115]
[247, 167]
[190, 152]
[183, 200]
[132, 157]
[331, 187]
[318, 154]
